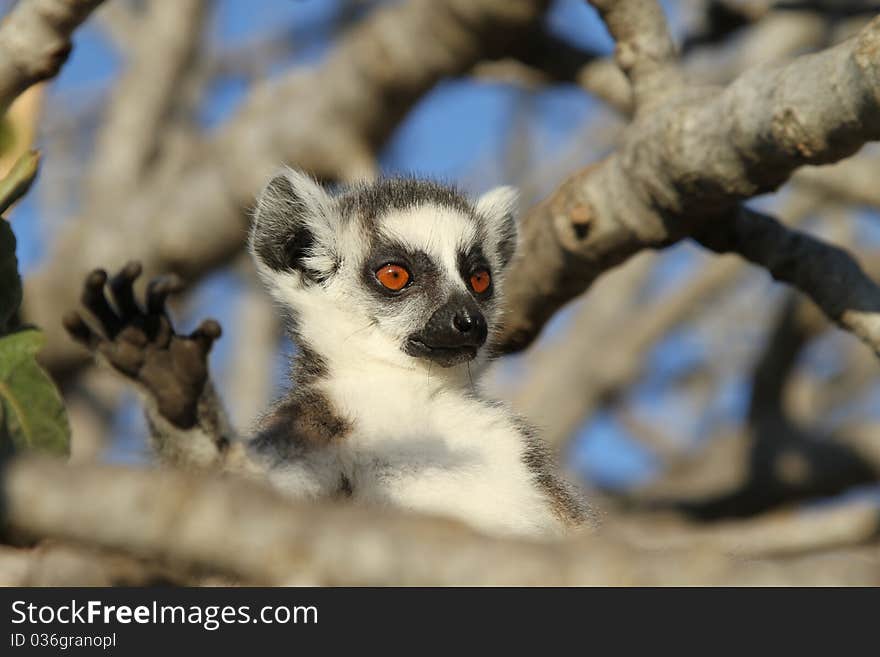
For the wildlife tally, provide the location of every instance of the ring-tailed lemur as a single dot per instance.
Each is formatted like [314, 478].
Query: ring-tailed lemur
[392, 290]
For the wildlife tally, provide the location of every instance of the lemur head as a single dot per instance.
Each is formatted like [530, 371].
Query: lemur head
[401, 269]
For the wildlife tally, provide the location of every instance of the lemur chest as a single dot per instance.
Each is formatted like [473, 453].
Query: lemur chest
[435, 451]
[442, 452]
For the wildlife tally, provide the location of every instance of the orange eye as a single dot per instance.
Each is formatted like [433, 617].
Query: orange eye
[394, 277]
[480, 281]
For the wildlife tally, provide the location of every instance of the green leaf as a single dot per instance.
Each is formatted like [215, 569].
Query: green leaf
[19, 179]
[33, 412]
[10, 282]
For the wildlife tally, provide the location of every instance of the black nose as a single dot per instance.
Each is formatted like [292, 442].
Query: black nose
[470, 323]
[452, 334]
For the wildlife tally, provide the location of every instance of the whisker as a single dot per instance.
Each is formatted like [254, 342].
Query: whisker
[370, 324]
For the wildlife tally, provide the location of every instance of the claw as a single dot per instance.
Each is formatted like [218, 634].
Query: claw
[122, 287]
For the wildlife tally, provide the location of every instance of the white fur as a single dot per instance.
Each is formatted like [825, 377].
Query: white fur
[420, 442]
[437, 451]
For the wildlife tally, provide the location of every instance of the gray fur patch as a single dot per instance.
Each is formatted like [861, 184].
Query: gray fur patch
[301, 422]
[373, 200]
[567, 505]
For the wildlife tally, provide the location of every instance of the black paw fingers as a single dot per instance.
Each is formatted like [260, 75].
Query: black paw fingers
[124, 319]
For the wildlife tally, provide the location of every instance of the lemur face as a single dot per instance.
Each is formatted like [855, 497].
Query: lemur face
[407, 270]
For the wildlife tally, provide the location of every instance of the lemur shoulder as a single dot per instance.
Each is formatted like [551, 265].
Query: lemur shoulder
[392, 291]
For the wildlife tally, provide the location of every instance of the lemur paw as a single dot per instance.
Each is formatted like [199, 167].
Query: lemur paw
[141, 342]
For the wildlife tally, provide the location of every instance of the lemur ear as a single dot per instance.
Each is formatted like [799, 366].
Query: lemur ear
[291, 219]
[499, 207]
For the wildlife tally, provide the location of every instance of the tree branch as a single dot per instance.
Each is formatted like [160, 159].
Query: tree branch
[827, 274]
[645, 52]
[35, 42]
[232, 528]
[164, 49]
[54, 564]
[686, 163]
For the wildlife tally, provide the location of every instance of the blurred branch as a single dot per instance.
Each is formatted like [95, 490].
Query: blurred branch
[164, 46]
[232, 528]
[786, 462]
[601, 368]
[541, 58]
[121, 21]
[91, 405]
[645, 51]
[35, 42]
[778, 534]
[54, 564]
[721, 18]
[776, 37]
[827, 274]
[604, 352]
[852, 180]
[776, 460]
[833, 9]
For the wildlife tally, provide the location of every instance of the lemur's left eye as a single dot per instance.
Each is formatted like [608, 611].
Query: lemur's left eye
[394, 277]
[480, 281]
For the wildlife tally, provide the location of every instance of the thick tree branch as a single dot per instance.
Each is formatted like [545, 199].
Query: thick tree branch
[233, 528]
[35, 42]
[686, 163]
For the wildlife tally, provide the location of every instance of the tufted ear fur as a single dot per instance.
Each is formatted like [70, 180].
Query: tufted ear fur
[292, 227]
[498, 207]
